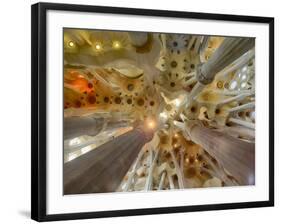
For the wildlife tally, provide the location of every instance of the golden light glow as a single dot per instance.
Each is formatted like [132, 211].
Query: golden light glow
[150, 124]
[144, 81]
[98, 47]
[116, 44]
[71, 44]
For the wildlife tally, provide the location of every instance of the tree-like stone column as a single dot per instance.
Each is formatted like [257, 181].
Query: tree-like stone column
[230, 50]
[102, 169]
[78, 126]
[236, 156]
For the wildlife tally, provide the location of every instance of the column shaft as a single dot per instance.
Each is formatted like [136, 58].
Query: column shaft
[103, 169]
[230, 50]
[236, 156]
[78, 126]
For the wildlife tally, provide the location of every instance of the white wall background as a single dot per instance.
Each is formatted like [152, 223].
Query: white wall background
[15, 110]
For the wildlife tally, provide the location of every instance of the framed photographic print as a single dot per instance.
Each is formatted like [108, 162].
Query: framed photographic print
[138, 111]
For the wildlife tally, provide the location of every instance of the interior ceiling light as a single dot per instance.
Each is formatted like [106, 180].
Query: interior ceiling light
[116, 44]
[98, 46]
[71, 44]
[155, 86]
[151, 124]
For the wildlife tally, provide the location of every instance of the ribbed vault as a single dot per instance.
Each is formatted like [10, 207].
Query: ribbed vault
[151, 111]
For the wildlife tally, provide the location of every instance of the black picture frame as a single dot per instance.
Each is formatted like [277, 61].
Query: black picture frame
[38, 108]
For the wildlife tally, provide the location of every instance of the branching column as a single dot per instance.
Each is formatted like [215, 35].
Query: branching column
[236, 156]
[77, 126]
[103, 169]
[230, 50]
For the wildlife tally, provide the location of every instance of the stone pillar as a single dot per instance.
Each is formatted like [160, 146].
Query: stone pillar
[78, 126]
[102, 169]
[236, 156]
[230, 50]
